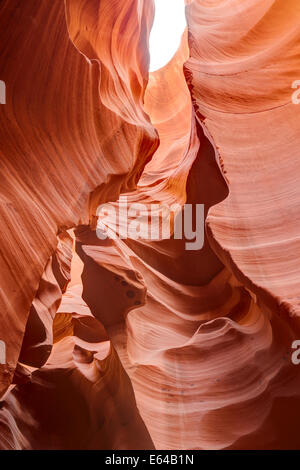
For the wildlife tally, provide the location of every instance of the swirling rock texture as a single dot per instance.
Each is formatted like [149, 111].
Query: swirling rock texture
[135, 343]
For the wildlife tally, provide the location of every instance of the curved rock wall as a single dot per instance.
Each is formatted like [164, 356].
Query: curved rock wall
[137, 343]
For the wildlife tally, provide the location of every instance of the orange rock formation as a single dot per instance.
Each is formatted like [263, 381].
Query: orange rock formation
[134, 343]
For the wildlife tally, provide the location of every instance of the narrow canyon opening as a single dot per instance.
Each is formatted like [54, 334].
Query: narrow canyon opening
[168, 27]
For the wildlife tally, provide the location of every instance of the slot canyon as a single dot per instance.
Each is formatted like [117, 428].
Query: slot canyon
[139, 343]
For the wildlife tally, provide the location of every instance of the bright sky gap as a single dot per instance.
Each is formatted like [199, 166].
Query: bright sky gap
[169, 24]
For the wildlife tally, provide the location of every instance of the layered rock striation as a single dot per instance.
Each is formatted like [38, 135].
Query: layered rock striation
[138, 343]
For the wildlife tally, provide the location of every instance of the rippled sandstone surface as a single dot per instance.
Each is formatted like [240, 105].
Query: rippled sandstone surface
[140, 344]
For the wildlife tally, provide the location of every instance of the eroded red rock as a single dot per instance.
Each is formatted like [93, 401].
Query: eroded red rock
[136, 344]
